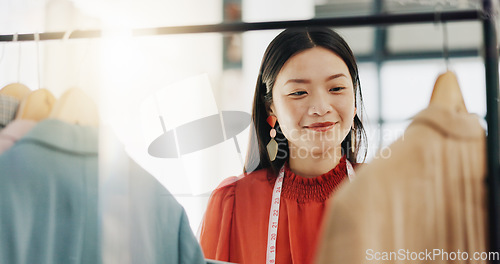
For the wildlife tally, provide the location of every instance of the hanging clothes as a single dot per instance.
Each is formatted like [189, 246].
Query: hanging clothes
[14, 131]
[8, 109]
[427, 194]
[48, 196]
[49, 204]
[159, 227]
[235, 227]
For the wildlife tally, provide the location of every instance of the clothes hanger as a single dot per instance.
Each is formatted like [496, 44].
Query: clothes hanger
[76, 107]
[16, 89]
[446, 92]
[36, 106]
[37, 42]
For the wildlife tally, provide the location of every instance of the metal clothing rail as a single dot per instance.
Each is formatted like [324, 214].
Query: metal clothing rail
[486, 16]
[371, 20]
[491, 72]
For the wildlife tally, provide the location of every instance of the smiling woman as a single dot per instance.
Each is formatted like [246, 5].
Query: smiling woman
[313, 99]
[308, 99]
[302, 59]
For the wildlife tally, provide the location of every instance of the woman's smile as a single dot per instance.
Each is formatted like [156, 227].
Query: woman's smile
[321, 126]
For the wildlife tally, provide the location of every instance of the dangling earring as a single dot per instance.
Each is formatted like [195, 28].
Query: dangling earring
[353, 138]
[272, 146]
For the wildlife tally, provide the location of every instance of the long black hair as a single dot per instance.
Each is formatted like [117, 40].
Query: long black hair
[280, 50]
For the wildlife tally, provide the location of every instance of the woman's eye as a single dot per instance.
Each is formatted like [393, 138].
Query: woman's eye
[337, 89]
[298, 93]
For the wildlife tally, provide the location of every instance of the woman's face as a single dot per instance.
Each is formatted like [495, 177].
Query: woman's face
[313, 100]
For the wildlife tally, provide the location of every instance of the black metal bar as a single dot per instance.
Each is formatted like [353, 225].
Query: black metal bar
[420, 55]
[52, 35]
[491, 72]
[371, 20]
[86, 34]
[379, 54]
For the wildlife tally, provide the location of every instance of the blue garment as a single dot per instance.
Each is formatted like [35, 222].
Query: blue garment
[49, 204]
[154, 227]
[48, 196]
[159, 227]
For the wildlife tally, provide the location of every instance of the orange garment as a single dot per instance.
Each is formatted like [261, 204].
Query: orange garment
[236, 221]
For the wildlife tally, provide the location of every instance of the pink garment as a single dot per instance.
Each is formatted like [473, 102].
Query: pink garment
[14, 131]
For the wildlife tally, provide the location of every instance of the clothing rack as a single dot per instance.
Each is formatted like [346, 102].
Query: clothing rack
[485, 15]
[370, 20]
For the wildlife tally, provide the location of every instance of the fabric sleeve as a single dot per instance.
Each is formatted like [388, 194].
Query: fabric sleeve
[215, 229]
[339, 240]
[189, 249]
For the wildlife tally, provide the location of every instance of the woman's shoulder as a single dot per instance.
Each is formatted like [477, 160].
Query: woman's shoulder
[246, 180]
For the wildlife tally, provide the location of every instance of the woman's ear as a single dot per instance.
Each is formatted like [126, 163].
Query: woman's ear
[270, 110]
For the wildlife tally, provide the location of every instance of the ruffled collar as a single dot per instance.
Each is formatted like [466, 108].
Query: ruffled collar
[316, 189]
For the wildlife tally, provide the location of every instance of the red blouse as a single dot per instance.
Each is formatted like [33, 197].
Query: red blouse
[236, 221]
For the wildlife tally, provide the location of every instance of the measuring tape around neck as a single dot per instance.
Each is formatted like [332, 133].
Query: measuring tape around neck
[272, 231]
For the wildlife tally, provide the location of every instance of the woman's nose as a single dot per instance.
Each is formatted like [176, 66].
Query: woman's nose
[319, 105]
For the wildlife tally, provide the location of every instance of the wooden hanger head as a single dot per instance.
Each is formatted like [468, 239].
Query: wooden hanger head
[17, 90]
[447, 94]
[76, 107]
[36, 106]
